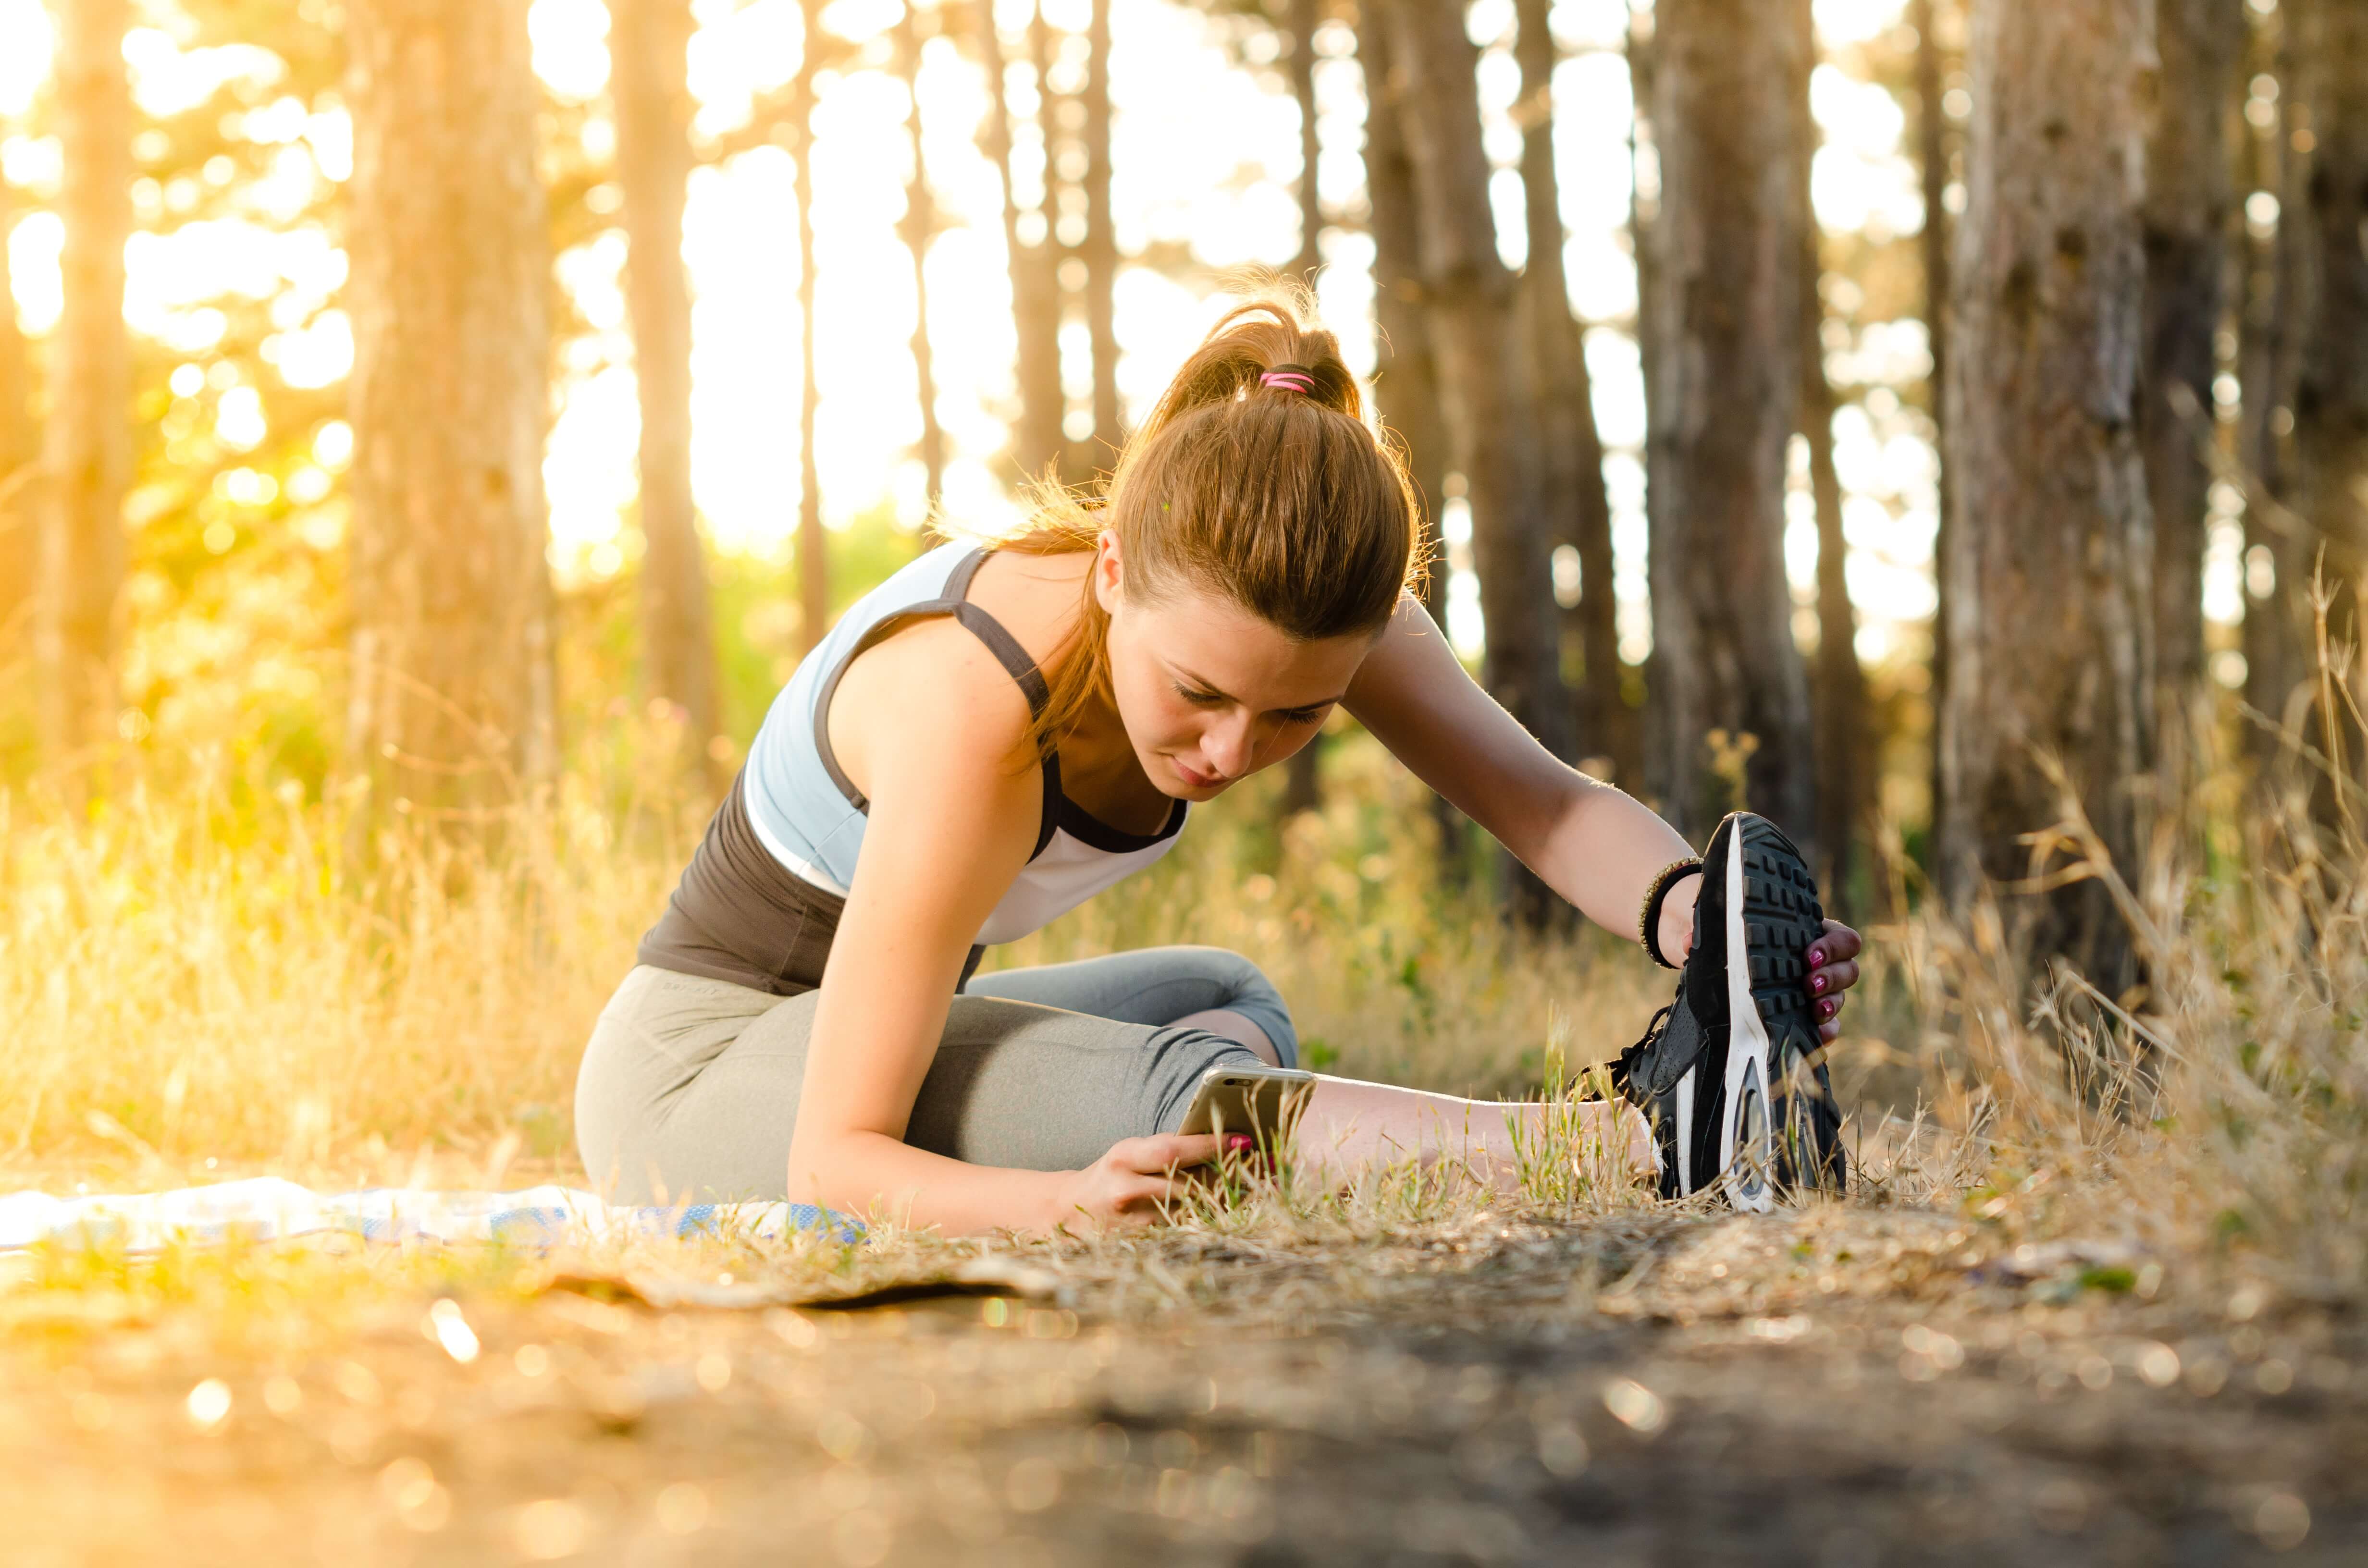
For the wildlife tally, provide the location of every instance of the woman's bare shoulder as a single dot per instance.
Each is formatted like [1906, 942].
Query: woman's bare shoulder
[1035, 598]
[930, 692]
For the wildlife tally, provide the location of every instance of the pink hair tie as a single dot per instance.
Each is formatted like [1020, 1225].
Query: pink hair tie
[1298, 378]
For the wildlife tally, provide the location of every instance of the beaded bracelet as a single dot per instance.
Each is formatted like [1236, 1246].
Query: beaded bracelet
[1648, 919]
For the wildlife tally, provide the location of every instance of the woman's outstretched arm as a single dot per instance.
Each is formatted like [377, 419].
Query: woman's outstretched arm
[1596, 846]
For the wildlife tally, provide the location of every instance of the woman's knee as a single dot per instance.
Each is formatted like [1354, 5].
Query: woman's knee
[1245, 988]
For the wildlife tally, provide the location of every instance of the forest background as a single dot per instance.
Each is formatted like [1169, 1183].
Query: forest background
[432, 432]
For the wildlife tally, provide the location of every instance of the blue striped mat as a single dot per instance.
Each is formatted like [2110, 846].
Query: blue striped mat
[266, 1209]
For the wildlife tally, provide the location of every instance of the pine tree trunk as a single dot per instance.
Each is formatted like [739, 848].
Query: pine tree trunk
[649, 43]
[1727, 350]
[1302, 788]
[1645, 201]
[813, 549]
[1483, 393]
[20, 471]
[88, 460]
[2330, 406]
[1932, 168]
[2050, 550]
[1579, 506]
[1839, 704]
[1472, 307]
[1405, 377]
[451, 704]
[1099, 251]
[1843, 756]
[2280, 307]
[1034, 257]
[2189, 208]
[918, 228]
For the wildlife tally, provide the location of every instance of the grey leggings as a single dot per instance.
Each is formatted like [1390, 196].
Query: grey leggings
[690, 1086]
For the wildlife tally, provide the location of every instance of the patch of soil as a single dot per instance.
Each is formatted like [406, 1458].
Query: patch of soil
[1836, 1387]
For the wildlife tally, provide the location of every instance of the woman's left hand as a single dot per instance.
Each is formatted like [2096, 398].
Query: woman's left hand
[1833, 969]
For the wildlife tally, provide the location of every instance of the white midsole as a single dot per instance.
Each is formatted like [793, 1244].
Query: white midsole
[1747, 1041]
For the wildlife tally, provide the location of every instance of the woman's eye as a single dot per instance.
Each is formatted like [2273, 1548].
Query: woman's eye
[1306, 716]
[1201, 698]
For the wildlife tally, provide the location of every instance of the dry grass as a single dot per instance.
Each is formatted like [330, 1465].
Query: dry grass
[190, 982]
[2221, 1114]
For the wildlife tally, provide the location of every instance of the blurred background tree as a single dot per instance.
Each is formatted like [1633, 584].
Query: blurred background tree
[649, 62]
[1729, 245]
[2050, 565]
[450, 702]
[424, 435]
[87, 466]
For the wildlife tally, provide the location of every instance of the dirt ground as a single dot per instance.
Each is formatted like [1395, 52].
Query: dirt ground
[1844, 1386]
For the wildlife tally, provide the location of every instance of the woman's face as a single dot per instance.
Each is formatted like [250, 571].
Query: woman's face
[1209, 693]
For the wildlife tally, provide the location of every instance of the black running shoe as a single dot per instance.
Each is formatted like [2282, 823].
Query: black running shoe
[1732, 1073]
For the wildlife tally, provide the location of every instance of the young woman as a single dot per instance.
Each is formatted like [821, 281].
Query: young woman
[997, 732]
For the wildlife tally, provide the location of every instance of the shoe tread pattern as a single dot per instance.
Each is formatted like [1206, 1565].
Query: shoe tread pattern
[1781, 917]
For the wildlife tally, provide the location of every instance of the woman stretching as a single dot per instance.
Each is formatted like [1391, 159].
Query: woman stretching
[999, 732]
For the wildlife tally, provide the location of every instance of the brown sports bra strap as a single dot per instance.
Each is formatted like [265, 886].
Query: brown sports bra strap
[954, 602]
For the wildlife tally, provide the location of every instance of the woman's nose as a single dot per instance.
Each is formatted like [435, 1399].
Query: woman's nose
[1228, 746]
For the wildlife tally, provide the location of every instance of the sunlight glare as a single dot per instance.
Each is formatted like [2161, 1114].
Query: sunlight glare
[34, 246]
[571, 46]
[1842, 22]
[27, 39]
[167, 80]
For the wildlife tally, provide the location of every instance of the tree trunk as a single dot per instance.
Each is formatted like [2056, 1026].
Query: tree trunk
[1406, 376]
[1726, 347]
[1843, 759]
[1303, 787]
[88, 460]
[1932, 166]
[20, 458]
[450, 705]
[2280, 305]
[1840, 684]
[1304, 15]
[1032, 257]
[649, 43]
[2051, 552]
[2188, 209]
[813, 549]
[918, 228]
[2330, 410]
[1473, 309]
[1099, 252]
[1579, 507]
[1475, 325]
[1645, 198]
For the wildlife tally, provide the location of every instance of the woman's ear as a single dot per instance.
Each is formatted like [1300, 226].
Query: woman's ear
[1109, 573]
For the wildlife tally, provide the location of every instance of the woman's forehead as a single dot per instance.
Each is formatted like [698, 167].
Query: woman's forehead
[1230, 648]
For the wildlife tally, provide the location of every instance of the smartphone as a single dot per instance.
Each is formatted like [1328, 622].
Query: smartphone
[1262, 1101]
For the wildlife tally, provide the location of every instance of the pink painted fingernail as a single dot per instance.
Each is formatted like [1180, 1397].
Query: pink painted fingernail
[1817, 983]
[1237, 1140]
[1817, 957]
[1827, 1009]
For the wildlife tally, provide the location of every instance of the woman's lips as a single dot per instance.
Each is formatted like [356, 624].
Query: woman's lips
[1197, 779]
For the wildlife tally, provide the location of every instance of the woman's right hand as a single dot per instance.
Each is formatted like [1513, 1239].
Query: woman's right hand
[1127, 1186]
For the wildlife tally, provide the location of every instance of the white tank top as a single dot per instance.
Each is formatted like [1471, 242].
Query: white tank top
[810, 816]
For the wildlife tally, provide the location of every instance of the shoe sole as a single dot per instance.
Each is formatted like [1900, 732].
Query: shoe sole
[1771, 917]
